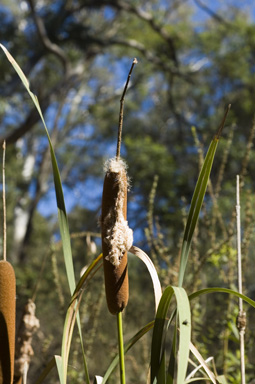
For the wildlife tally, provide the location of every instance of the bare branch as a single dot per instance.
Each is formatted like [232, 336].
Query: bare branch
[51, 47]
[213, 14]
[146, 16]
[33, 117]
[152, 57]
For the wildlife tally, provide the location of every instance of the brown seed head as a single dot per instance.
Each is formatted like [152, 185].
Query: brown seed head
[117, 237]
[7, 322]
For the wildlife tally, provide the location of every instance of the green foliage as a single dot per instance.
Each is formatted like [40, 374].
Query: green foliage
[222, 257]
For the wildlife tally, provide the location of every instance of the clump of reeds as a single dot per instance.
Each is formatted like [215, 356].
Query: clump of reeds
[117, 237]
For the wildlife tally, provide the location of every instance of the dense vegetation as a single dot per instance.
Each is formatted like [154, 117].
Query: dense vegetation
[192, 62]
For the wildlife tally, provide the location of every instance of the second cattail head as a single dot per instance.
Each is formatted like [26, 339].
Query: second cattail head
[117, 237]
[7, 321]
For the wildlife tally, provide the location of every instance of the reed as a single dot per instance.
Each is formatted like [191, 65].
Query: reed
[7, 322]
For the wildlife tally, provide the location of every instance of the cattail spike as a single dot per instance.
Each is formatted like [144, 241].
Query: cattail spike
[7, 322]
[117, 237]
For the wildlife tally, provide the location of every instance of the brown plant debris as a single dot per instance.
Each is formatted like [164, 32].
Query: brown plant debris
[24, 351]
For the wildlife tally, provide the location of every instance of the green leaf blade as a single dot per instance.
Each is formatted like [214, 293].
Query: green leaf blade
[221, 290]
[196, 204]
[158, 337]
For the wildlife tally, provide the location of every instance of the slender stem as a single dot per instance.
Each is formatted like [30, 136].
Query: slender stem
[25, 372]
[221, 126]
[121, 348]
[238, 223]
[241, 319]
[122, 109]
[4, 205]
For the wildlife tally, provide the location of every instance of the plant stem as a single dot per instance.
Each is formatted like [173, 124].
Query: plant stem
[221, 126]
[122, 110]
[241, 319]
[121, 348]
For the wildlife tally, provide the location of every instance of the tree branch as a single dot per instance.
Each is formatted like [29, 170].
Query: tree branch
[141, 14]
[146, 16]
[33, 117]
[152, 57]
[51, 47]
[213, 14]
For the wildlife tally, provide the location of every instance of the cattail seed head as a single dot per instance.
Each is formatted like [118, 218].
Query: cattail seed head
[117, 237]
[24, 351]
[7, 322]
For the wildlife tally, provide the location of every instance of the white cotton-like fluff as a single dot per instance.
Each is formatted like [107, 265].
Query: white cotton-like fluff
[115, 165]
[119, 236]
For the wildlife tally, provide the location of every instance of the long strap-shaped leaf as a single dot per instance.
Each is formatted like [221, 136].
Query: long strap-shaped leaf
[197, 200]
[63, 223]
[157, 348]
[71, 316]
[222, 290]
[152, 271]
[62, 216]
[62, 361]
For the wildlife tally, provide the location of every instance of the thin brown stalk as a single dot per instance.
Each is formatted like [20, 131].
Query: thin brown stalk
[122, 109]
[248, 227]
[152, 242]
[221, 126]
[224, 162]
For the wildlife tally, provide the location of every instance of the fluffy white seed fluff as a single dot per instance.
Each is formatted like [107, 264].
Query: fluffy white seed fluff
[119, 236]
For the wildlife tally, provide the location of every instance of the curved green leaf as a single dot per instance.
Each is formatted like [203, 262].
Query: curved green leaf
[62, 217]
[158, 337]
[152, 271]
[222, 290]
[195, 207]
[72, 312]
[59, 364]
[198, 198]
